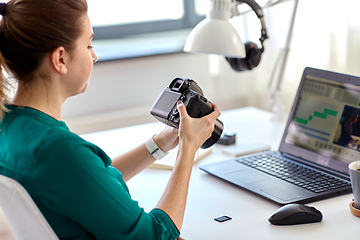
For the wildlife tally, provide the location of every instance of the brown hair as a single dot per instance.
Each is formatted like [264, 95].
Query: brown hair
[29, 30]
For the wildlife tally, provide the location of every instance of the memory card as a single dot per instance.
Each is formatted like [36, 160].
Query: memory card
[222, 219]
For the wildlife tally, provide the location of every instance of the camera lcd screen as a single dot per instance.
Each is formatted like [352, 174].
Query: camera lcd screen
[167, 101]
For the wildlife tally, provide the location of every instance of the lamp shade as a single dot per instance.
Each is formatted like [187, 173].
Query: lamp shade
[215, 36]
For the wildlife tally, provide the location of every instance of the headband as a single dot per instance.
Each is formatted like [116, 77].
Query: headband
[2, 8]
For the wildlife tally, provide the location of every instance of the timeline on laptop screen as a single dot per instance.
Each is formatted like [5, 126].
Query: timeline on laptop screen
[326, 119]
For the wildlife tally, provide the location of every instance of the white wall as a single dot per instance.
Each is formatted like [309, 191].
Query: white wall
[121, 93]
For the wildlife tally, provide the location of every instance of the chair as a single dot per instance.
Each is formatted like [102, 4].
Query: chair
[23, 216]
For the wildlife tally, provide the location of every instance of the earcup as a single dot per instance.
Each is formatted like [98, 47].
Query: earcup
[252, 59]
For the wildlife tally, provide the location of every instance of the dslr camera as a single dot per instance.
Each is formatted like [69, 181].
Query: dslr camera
[185, 90]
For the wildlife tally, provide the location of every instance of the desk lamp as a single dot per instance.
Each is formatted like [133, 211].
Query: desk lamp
[216, 35]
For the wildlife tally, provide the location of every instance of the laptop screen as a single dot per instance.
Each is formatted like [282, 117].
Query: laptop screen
[324, 124]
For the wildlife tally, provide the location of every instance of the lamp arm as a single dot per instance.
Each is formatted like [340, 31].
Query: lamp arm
[282, 57]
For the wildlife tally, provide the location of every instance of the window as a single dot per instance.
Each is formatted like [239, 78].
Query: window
[128, 28]
[114, 12]
[113, 19]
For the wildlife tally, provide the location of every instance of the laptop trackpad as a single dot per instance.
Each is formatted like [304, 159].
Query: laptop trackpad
[247, 176]
[279, 193]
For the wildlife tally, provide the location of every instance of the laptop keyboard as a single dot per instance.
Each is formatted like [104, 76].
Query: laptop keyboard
[294, 173]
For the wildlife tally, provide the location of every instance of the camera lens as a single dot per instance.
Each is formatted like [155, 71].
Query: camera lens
[215, 136]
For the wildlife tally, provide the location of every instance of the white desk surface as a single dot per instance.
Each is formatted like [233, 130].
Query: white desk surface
[210, 197]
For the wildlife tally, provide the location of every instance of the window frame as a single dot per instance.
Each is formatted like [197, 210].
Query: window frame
[189, 20]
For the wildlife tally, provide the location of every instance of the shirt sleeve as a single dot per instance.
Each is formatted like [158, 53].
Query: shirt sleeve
[75, 179]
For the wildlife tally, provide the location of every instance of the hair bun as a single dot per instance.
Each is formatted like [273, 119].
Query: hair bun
[2, 8]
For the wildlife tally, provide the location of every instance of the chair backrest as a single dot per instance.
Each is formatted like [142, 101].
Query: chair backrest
[23, 216]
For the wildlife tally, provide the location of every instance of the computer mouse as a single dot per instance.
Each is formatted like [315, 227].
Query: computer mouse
[293, 213]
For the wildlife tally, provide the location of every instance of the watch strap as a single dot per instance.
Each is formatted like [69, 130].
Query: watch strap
[154, 149]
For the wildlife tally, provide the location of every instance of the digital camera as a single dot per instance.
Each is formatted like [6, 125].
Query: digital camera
[197, 106]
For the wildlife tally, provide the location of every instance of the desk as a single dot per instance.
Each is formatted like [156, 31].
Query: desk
[210, 197]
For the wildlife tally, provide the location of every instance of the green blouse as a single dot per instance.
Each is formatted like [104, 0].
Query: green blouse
[72, 181]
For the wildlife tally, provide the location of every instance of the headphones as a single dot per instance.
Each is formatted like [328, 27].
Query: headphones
[253, 53]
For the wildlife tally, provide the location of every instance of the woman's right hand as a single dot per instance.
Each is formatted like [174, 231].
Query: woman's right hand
[193, 132]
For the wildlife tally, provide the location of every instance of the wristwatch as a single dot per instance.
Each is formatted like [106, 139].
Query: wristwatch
[154, 149]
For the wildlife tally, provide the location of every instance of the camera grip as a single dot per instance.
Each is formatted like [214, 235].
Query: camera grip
[198, 107]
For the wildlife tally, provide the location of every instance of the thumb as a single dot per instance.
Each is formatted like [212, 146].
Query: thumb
[181, 108]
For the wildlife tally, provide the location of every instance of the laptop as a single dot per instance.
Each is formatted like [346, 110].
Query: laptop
[321, 137]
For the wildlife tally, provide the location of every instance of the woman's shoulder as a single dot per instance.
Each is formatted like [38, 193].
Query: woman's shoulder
[30, 121]
[59, 143]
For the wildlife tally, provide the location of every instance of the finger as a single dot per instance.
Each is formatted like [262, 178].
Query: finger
[216, 111]
[214, 106]
[182, 109]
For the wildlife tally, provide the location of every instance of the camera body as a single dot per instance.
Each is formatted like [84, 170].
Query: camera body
[197, 106]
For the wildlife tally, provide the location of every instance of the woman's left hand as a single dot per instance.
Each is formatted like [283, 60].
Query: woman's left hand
[167, 139]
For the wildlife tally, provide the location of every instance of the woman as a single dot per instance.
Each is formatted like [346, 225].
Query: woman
[46, 46]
